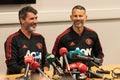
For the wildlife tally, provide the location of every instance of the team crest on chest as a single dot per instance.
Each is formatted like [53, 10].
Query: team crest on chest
[39, 45]
[88, 41]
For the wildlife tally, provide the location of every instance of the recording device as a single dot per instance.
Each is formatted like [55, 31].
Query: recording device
[63, 52]
[116, 73]
[51, 60]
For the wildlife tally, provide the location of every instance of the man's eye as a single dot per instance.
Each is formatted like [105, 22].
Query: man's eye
[75, 15]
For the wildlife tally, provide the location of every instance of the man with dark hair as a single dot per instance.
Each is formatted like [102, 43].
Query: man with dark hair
[80, 37]
[25, 40]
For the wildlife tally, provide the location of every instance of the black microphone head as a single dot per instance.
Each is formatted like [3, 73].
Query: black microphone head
[97, 60]
[103, 71]
[50, 58]
[74, 55]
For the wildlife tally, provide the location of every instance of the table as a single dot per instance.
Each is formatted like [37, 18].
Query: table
[50, 73]
[108, 67]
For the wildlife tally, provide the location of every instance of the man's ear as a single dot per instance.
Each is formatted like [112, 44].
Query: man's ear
[71, 17]
[86, 17]
[22, 20]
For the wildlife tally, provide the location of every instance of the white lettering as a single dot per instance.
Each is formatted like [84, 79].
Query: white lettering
[28, 53]
[36, 55]
[87, 51]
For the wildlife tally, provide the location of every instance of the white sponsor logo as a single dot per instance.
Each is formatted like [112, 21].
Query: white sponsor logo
[36, 55]
[86, 51]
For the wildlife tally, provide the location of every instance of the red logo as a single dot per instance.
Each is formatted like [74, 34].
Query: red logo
[88, 41]
[39, 45]
[72, 43]
[24, 46]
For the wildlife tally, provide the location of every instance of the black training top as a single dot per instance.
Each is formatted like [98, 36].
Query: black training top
[88, 42]
[16, 47]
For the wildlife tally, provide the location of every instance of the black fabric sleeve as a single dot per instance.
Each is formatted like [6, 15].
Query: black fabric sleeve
[55, 51]
[44, 62]
[57, 46]
[11, 56]
[98, 49]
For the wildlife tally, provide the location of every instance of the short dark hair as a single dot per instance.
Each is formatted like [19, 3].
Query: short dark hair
[79, 7]
[23, 12]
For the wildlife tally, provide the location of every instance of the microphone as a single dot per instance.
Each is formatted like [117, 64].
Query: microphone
[77, 50]
[75, 55]
[97, 60]
[51, 60]
[96, 74]
[82, 67]
[63, 52]
[78, 71]
[102, 71]
[99, 75]
[28, 60]
[36, 66]
[78, 65]
[72, 66]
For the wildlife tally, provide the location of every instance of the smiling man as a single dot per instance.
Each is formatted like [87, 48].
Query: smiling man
[25, 40]
[80, 37]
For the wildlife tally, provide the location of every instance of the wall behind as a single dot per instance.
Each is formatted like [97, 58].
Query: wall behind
[57, 10]
[53, 18]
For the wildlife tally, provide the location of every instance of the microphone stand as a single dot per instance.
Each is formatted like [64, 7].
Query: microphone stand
[42, 73]
[26, 72]
[92, 74]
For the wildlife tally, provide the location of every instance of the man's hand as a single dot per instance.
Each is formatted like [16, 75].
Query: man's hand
[45, 69]
[22, 70]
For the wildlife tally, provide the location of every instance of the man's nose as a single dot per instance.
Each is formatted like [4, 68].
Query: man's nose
[35, 20]
[78, 18]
